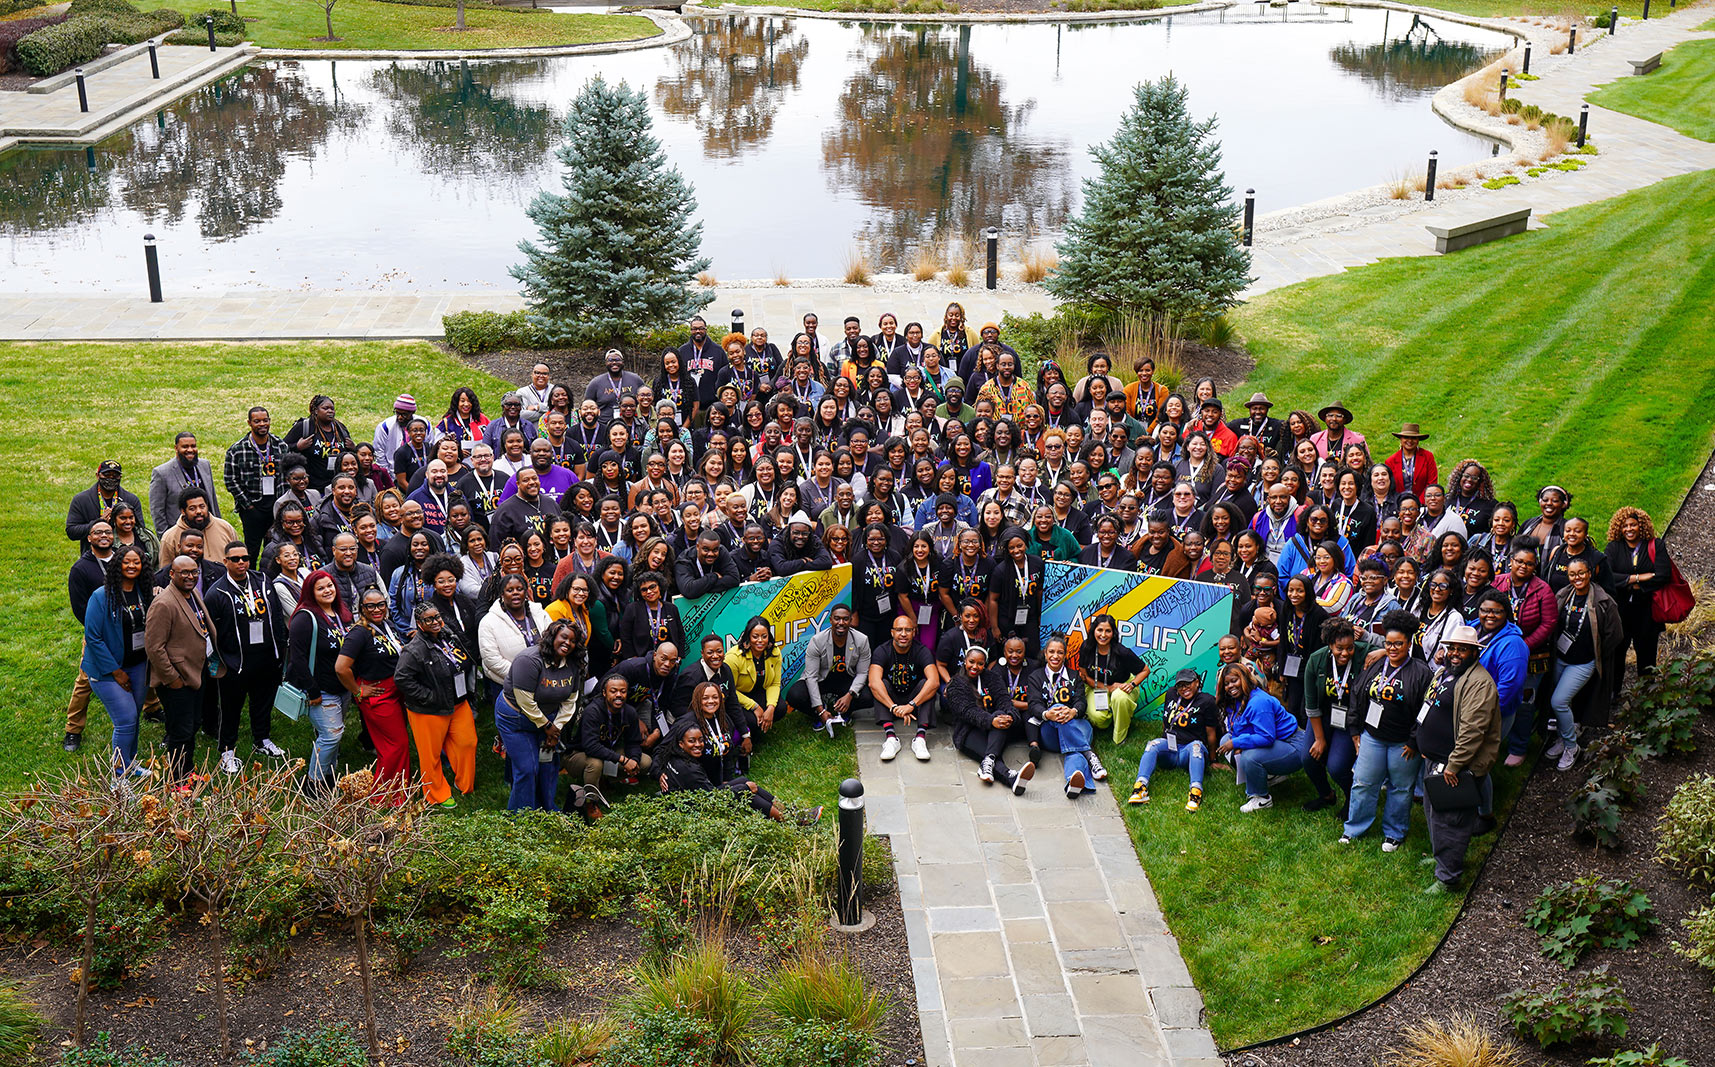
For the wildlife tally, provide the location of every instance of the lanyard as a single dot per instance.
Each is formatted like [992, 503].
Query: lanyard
[527, 627]
[924, 577]
[1342, 681]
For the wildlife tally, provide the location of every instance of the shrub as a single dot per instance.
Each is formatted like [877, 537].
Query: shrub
[1585, 1006]
[707, 989]
[1649, 1057]
[1592, 912]
[16, 30]
[1595, 811]
[471, 332]
[125, 934]
[656, 341]
[1035, 336]
[1688, 830]
[662, 925]
[820, 1045]
[101, 1053]
[1501, 182]
[326, 1046]
[224, 22]
[7, 7]
[1460, 1042]
[664, 1039]
[488, 1033]
[198, 37]
[20, 1025]
[1616, 760]
[1699, 943]
[63, 46]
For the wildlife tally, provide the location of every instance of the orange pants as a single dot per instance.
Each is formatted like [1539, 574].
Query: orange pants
[454, 735]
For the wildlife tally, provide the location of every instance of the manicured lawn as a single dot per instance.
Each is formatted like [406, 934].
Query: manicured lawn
[1577, 354]
[1680, 95]
[364, 24]
[209, 388]
[1496, 9]
[1281, 927]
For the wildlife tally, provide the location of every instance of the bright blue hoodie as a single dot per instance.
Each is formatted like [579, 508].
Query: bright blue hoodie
[1507, 658]
[1261, 722]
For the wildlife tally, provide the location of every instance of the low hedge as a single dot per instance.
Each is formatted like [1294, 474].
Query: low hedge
[84, 37]
[9, 6]
[471, 332]
[197, 36]
[16, 30]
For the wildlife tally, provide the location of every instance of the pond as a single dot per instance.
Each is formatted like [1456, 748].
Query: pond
[802, 137]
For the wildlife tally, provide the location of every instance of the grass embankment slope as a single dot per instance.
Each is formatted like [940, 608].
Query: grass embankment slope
[1680, 95]
[76, 404]
[366, 24]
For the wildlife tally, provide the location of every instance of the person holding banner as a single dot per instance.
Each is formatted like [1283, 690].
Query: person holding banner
[1190, 724]
[836, 666]
[984, 720]
[755, 666]
[903, 680]
[1057, 704]
[1015, 591]
[1262, 736]
[1113, 672]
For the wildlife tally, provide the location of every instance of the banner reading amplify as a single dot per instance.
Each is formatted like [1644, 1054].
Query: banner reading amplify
[1171, 623]
[796, 606]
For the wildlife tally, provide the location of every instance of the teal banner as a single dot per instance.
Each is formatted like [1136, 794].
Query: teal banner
[796, 606]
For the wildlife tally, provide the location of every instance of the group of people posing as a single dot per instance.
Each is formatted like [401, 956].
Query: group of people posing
[526, 564]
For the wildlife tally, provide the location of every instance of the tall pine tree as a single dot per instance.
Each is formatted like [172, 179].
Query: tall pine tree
[619, 249]
[1156, 235]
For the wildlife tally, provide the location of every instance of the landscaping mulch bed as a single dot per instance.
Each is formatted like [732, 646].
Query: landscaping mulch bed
[1491, 952]
[1691, 539]
[169, 1006]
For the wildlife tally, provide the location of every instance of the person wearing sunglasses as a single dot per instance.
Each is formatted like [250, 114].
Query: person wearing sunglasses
[250, 632]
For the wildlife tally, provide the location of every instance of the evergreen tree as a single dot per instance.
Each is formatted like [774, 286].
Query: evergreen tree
[1156, 235]
[619, 248]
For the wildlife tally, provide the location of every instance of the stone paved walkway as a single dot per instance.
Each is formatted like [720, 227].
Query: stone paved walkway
[1035, 936]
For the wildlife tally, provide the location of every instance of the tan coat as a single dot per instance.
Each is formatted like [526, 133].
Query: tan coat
[175, 641]
[215, 537]
[1476, 722]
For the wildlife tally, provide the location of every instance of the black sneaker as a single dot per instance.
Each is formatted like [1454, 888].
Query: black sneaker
[1319, 803]
[72, 742]
[1486, 824]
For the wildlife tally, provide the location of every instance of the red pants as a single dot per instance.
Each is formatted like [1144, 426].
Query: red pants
[384, 718]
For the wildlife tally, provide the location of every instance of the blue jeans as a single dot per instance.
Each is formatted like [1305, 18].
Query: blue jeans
[123, 707]
[327, 715]
[534, 779]
[1379, 764]
[1156, 754]
[1336, 762]
[1569, 679]
[1278, 757]
[1071, 740]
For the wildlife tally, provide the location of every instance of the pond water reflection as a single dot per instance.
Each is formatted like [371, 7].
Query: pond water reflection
[801, 137]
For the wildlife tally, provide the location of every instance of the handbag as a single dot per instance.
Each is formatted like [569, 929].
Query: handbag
[289, 700]
[1461, 797]
[1672, 602]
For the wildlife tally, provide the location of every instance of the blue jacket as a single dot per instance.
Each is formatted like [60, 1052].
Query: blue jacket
[1261, 722]
[1506, 657]
[1295, 560]
[103, 636]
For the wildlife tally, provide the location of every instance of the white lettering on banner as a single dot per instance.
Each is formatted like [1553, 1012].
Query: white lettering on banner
[1133, 634]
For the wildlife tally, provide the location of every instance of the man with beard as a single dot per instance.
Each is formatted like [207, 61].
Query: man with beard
[709, 569]
[751, 558]
[609, 388]
[436, 496]
[561, 451]
[700, 357]
[250, 634]
[396, 552]
[710, 667]
[353, 577]
[535, 395]
[171, 478]
[1459, 735]
[179, 639]
[845, 349]
[511, 418]
[333, 515]
[194, 512]
[835, 680]
[481, 484]
[253, 477]
[552, 481]
[652, 678]
[191, 544]
[1269, 432]
[97, 501]
[587, 438]
[798, 550]
[524, 508]
[88, 574]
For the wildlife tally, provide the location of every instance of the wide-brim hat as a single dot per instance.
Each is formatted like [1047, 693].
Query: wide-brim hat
[1259, 398]
[1411, 431]
[1341, 408]
[1463, 635]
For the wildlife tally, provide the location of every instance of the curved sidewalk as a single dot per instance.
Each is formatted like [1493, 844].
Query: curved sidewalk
[1035, 937]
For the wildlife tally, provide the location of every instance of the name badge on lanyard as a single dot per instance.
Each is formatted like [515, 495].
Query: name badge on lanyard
[459, 687]
[923, 613]
[1099, 699]
[1293, 664]
[1374, 718]
[137, 641]
[256, 631]
[1337, 716]
[267, 485]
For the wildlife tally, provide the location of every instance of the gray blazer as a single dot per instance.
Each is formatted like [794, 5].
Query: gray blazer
[165, 483]
[819, 660]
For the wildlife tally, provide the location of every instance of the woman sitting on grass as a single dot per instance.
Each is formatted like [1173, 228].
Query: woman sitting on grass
[687, 762]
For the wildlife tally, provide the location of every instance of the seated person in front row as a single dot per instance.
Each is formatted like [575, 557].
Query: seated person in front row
[1190, 730]
[984, 720]
[699, 754]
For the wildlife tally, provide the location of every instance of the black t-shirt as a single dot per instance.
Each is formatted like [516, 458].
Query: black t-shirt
[876, 585]
[1397, 692]
[1436, 734]
[902, 672]
[541, 580]
[950, 649]
[133, 613]
[1118, 664]
[1572, 642]
[1189, 720]
[407, 461]
[960, 582]
[374, 653]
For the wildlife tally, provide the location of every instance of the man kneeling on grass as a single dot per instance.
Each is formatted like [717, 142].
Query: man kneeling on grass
[1190, 725]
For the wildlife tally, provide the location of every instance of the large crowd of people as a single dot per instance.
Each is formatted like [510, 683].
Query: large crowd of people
[1394, 631]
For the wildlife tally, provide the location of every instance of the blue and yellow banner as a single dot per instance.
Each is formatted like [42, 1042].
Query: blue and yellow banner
[1171, 623]
[796, 606]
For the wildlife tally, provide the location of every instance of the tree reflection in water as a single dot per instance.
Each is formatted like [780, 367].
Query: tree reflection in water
[733, 74]
[229, 148]
[1409, 65]
[50, 189]
[925, 136]
[452, 116]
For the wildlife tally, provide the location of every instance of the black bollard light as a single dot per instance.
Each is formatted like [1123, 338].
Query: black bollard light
[1572, 41]
[1583, 124]
[89, 157]
[1250, 215]
[737, 320]
[1613, 21]
[849, 903]
[154, 62]
[209, 20]
[82, 93]
[1503, 85]
[992, 235]
[152, 262]
[1429, 182]
[1526, 69]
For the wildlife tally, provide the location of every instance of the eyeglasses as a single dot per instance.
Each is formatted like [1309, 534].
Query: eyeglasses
[371, 605]
[430, 618]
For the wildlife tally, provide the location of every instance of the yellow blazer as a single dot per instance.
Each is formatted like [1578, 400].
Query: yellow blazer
[744, 675]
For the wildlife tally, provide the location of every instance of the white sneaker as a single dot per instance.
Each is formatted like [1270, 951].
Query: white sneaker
[889, 748]
[1256, 802]
[1024, 775]
[920, 748]
[1097, 771]
[269, 748]
[1389, 845]
[986, 771]
[229, 762]
[1344, 840]
[1555, 749]
[1568, 757]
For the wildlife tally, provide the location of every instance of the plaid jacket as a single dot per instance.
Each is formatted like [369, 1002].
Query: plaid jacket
[245, 467]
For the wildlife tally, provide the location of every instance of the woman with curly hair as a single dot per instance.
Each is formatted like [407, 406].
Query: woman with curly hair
[1471, 494]
[1640, 565]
